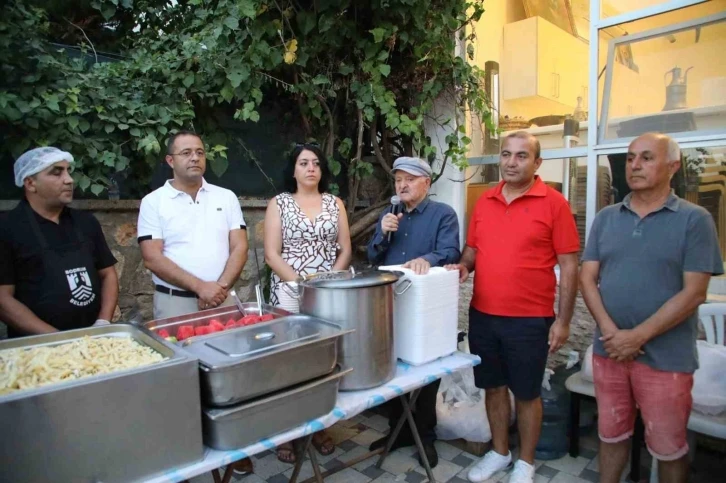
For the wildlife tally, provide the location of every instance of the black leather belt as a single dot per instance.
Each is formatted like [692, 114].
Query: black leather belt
[175, 293]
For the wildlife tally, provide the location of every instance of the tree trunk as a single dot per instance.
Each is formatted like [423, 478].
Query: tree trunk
[364, 222]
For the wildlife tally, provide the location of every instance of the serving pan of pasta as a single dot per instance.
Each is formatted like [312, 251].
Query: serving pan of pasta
[88, 402]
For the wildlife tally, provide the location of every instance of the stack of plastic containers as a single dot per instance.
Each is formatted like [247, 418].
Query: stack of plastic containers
[425, 316]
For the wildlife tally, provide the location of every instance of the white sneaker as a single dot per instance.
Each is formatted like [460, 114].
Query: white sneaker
[523, 473]
[491, 463]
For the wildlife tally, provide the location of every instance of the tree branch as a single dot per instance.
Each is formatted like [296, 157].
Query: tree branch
[86, 37]
[376, 148]
[306, 121]
[329, 145]
[252, 156]
[376, 206]
[353, 192]
[443, 167]
[364, 222]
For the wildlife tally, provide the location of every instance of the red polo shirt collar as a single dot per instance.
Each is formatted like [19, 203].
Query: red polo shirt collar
[538, 188]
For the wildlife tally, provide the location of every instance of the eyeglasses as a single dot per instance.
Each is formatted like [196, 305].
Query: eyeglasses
[187, 153]
[302, 145]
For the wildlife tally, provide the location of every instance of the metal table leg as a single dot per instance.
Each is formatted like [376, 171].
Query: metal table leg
[417, 439]
[399, 425]
[408, 404]
[300, 457]
[227, 475]
[314, 463]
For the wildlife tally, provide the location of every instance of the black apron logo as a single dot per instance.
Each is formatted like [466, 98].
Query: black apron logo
[81, 288]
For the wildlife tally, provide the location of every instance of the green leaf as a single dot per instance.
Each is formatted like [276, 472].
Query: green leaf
[306, 22]
[84, 182]
[236, 76]
[232, 23]
[188, 80]
[385, 69]
[344, 69]
[149, 144]
[123, 127]
[135, 131]
[254, 116]
[325, 23]
[96, 189]
[320, 79]
[108, 12]
[32, 122]
[108, 158]
[84, 125]
[219, 165]
[335, 167]
[247, 8]
[109, 128]
[378, 34]
[227, 93]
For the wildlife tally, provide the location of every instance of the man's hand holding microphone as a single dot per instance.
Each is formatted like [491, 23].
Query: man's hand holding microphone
[389, 223]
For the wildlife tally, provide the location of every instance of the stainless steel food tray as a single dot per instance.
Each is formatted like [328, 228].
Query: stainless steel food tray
[241, 364]
[244, 424]
[108, 427]
[223, 314]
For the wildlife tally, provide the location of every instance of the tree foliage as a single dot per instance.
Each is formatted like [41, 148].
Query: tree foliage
[365, 77]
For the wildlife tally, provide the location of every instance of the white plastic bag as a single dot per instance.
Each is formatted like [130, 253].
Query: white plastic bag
[709, 381]
[460, 408]
[587, 366]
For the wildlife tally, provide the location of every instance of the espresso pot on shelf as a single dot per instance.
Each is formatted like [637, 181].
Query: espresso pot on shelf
[677, 89]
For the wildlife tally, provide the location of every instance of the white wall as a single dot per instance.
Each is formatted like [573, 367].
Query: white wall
[449, 188]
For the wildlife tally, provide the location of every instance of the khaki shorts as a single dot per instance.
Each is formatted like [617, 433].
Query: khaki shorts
[166, 305]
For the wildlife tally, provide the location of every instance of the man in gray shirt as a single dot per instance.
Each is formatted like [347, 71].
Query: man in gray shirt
[645, 271]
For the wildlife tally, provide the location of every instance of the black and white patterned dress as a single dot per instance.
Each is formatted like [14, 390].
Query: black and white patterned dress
[308, 246]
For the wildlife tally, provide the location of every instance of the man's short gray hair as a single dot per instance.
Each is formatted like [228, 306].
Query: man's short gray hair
[674, 150]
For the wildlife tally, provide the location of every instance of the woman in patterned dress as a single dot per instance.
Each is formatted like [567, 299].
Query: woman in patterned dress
[306, 232]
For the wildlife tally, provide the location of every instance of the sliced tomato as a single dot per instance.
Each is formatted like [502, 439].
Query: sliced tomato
[231, 324]
[216, 326]
[163, 333]
[184, 332]
[267, 317]
[248, 320]
[202, 330]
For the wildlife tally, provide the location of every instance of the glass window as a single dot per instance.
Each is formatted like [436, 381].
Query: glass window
[702, 180]
[673, 81]
[553, 172]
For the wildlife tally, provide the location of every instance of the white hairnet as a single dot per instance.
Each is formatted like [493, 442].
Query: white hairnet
[36, 160]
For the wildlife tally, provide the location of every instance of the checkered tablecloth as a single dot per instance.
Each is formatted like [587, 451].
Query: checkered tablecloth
[348, 405]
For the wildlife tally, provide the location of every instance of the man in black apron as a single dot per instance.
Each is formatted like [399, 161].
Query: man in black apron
[56, 270]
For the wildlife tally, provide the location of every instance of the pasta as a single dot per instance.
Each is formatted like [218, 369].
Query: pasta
[39, 366]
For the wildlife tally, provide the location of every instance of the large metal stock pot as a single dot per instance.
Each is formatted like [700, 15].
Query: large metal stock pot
[364, 302]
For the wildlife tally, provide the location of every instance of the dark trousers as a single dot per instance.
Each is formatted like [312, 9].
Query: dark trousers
[424, 414]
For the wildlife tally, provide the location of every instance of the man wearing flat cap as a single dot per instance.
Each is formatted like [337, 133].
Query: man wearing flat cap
[422, 234]
[56, 270]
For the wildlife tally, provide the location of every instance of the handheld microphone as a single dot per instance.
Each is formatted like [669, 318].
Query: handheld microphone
[396, 209]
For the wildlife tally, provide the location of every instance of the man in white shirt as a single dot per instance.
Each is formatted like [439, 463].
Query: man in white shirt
[192, 234]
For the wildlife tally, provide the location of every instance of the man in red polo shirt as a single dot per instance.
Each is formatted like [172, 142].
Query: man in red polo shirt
[517, 234]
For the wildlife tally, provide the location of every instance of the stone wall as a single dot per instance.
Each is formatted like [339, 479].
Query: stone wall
[118, 221]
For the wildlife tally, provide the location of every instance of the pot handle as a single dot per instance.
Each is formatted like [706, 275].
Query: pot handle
[405, 283]
[286, 288]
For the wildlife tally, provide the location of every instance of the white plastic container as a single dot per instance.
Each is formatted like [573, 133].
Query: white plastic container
[425, 317]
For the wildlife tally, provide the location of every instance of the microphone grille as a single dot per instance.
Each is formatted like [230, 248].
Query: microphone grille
[395, 200]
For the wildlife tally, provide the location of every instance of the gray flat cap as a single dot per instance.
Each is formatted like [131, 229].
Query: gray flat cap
[414, 166]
